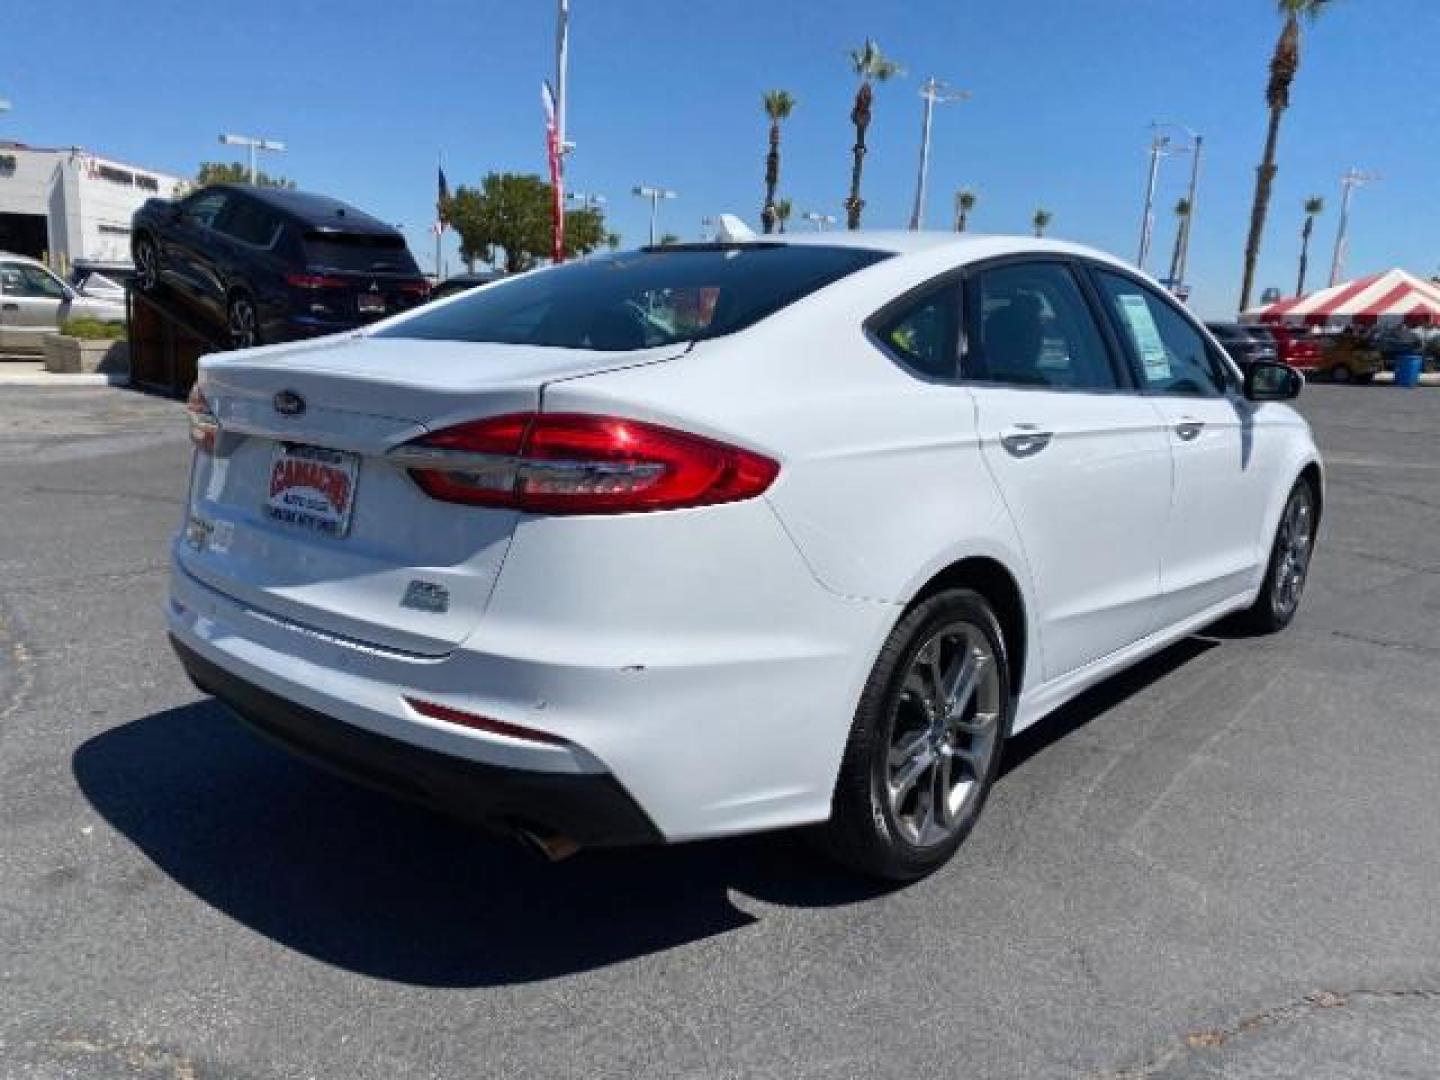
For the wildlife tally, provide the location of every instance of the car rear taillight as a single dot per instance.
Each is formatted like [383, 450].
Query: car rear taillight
[578, 463]
[316, 281]
[416, 288]
[203, 424]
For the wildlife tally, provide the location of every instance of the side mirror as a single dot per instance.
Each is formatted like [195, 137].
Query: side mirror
[70, 293]
[1266, 380]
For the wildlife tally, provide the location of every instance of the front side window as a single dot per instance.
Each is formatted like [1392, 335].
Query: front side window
[20, 279]
[639, 299]
[1029, 325]
[204, 208]
[1172, 355]
[924, 334]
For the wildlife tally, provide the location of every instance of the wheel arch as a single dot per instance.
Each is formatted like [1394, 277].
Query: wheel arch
[993, 580]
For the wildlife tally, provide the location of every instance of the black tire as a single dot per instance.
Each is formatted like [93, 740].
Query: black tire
[146, 257]
[1272, 610]
[242, 321]
[1341, 373]
[867, 831]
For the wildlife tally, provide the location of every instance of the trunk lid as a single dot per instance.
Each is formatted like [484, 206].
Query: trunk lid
[406, 572]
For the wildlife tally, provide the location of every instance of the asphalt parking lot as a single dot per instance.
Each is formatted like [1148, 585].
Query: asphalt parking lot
[1225, 863]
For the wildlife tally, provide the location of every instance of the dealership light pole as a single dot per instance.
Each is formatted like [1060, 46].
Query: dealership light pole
[654, 194]
[933, 91]
[819, 220]
[1348, 183]
[253, 144]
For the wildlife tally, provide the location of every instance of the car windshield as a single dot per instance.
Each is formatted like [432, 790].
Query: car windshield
[640, 299]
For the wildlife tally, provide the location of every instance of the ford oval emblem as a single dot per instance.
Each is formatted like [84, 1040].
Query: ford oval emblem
[289, 403]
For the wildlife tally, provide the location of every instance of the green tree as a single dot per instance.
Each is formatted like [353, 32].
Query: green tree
[612, 241]
[666, 239]
[508, 217]
[870, 66]
[778, 106]
[964, 202]
[1182, 226]
[1041, 221]
[1284, 63]
[783, 210]
[1313, 205]
[232, 172]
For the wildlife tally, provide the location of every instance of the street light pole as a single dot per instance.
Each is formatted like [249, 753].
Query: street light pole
[1189, 223]
[253, 144]
[932, 91]
[1348, 183]
[654, 194]
[1159, 145]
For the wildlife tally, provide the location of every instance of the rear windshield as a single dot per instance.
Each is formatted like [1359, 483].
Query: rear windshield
[639, 299]
[358, 253]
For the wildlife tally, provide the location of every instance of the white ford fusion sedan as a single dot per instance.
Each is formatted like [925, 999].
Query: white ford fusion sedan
[715, 538]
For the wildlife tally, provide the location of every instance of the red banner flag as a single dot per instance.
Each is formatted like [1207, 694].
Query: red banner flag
[557, 177]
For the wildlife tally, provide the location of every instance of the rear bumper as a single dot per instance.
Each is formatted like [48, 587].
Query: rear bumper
[590, 808]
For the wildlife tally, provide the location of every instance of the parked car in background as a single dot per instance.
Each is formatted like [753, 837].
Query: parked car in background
[1349, 356]
[713, 538]
[102, 281]
[1298, 348]
[464, 282]
[34, 302]
[269, 265]
[1245, 344]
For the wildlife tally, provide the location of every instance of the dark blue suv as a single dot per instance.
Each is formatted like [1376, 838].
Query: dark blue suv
[274, 265]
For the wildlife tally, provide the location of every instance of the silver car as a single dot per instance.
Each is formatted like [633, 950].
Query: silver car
[34, 302]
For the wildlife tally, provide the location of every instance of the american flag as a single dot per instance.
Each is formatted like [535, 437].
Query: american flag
[442, 199]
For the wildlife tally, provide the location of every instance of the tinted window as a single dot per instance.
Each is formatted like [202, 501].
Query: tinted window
[924, 334]
[641, 298]
[1172, 355]
[252, 223]
[22, 280]
[1031, 326]
[204, 208]
[359, 253]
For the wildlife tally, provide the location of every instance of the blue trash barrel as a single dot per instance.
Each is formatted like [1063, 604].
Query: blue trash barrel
[1407, 370]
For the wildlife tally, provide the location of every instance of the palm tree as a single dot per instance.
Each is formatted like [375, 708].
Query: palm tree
[870, 66]
[778, 106]
[782, 212]
[1284, 63]
[964, 203]
[1313, 205]
[1182, 226]
[1041, 221]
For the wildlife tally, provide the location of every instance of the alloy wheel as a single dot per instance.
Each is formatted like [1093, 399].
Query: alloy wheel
[241, 323]
[1295, 543]
[147, 266]
[944, 733]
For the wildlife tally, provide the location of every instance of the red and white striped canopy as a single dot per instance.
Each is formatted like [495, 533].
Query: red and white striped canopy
[1392, 298]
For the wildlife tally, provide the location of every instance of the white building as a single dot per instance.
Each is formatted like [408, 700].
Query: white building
[67, 205]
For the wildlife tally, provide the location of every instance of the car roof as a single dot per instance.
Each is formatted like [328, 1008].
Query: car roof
[10, 256]
[959, 247]
[316, 211]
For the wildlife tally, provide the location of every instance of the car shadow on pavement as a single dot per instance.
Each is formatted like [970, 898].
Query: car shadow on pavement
[375, 886]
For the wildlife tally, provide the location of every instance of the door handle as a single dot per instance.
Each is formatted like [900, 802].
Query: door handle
[10, 307]
[1025, 440]
[1189, 429]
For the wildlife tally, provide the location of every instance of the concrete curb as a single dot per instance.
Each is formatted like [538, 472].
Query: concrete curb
[52, 382]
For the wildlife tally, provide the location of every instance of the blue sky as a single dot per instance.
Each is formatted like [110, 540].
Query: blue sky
[367, 92]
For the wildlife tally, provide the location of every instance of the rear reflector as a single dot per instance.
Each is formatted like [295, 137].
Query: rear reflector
[483, 723]
[578, 463]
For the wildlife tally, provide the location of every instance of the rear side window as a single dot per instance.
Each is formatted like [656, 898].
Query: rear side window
[924, 335]
[639, 299]
[1030, 325]
[358, 253]
[1173, 356]
[251, 223]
